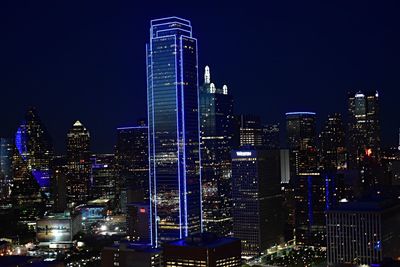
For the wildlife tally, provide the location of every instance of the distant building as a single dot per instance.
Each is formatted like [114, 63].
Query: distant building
[271, 136]
[127, 254]
[314, 193]
[257, 201]
[57, 230]
[103, 177]
[251, 131]
[333, 144]
[205, 250]
[285, 166]
[132, 164]
[79, 166]
[364, 232]
[7, 147]
[59, 183]
[138, 221]
[32, 167]
[301, 140]
[217, 141]
[363, 126]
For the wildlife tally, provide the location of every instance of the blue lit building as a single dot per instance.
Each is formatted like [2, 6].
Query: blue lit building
[173, 116]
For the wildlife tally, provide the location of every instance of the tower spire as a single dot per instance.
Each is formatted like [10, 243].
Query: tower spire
[207, 75]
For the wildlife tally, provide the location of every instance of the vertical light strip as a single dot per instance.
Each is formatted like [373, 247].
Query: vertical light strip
[199, 132]
[178, 138]
[149, 147]
[184, 137]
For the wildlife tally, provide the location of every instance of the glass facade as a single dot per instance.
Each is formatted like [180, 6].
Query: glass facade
[174, 155]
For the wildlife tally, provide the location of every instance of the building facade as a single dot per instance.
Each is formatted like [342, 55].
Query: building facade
[79, 165]
[217, 141]
[205, 250]
[257, 202]
[174, 142]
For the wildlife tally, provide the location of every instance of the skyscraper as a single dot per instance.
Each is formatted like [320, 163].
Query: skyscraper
[257, 200]
[217, 141]
[333, 144]
[363, 127]
[79, 165]
[31, 165]
[173, 114]
[271, 136]
[132, 163]
[6, 175]
[301, 139]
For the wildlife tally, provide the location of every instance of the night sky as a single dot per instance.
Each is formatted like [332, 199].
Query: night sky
[86, 59]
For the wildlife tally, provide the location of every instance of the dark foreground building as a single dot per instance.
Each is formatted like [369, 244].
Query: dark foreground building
[364, 232]
[206, 250]
[131, 255]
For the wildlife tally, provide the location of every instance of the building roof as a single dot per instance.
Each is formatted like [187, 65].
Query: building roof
[204, 240]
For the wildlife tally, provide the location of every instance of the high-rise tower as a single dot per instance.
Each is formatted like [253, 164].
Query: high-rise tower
[173, 115]
[217, 141]
[79, 165]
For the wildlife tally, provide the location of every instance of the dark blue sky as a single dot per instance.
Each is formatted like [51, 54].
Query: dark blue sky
[86, 59]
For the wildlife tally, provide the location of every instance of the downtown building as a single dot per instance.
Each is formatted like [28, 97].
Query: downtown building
[203, 250]
[32, 158]
[363, 127]
[7, 147]
[364, 232]
[217, 141]
[257, 201]
[132, 164]
[174, 142]
[78, 164]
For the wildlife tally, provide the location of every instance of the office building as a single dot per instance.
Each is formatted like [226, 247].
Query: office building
[314, 193]
[204, 249]
[363, 232]
[103, 177]
[79, 166]
[217, 141]
[301, 140]
[363, 127]
[271, 136]
[257, 201]
[138, 221]
[333, 144]
[32, 167]
[127, 254]
[173, 113]
[132, 164]
[6, 173]
[251, 131]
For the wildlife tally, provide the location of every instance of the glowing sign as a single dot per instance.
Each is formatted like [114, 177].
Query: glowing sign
[368, 152]
[142, 210]
[243, 153]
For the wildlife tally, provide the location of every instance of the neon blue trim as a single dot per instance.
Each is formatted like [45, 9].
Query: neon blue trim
[301, 113]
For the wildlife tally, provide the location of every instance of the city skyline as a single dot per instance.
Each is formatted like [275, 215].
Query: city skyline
[311, 56]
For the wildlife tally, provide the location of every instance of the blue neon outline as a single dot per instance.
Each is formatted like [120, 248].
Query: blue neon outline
[184, 138]
[166, 18]
[178, 138]
[300, 113]
[132, 127]
[149, 149]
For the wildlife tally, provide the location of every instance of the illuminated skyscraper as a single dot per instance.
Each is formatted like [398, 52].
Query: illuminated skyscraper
[173, 114]
[364, 127]
[217, 138]
[79, 165]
